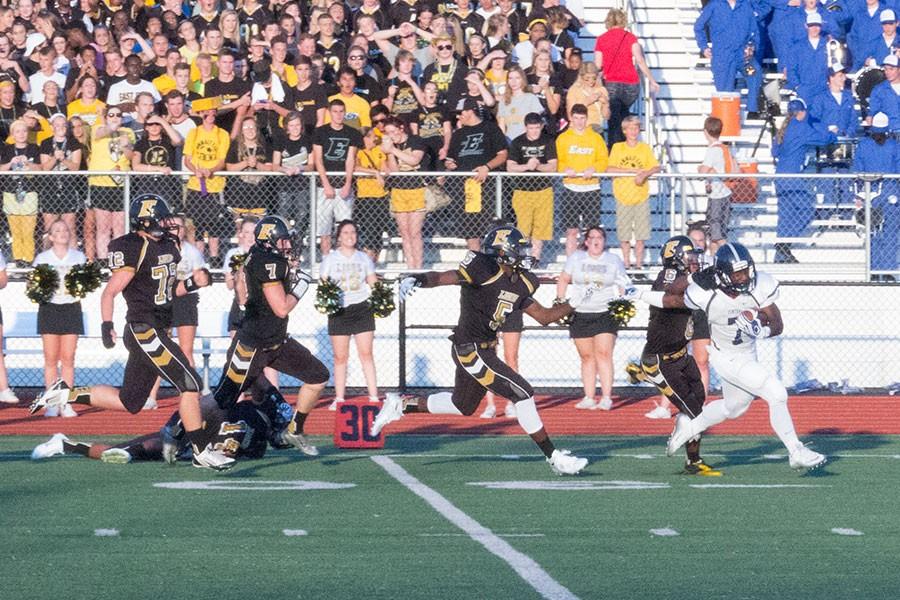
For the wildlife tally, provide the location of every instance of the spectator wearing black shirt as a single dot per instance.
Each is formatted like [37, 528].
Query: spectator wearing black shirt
[532, 201]
[249, 152]
[10, 110]
[308, 98]
[448, 73]
[292, 155]
[334, 150]
[235, 94]
[52, 103]
[328, 45]
[406, 153]
[59, 196]
[269, 101]
[432, 123]
[478, 146]
[367, 87]
[404, 96]
[155, 152]
[253, 18]
[10, 70]
[373, 9]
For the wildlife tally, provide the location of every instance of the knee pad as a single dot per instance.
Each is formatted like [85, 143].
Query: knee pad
[527, 415]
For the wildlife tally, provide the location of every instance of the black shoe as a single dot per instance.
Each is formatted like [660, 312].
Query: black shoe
[698, 467]
[753, 116]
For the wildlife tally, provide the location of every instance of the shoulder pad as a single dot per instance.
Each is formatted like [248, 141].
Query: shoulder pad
[767, 289]
[705, 278]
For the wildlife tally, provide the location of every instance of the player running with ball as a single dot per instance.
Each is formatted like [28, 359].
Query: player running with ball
[740, 304]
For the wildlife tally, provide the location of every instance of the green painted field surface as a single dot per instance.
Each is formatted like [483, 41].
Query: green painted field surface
[630, 527]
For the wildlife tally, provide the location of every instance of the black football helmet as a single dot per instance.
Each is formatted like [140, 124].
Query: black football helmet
[151, 214]
[680, 254]
[270, 230]
[508, 246]
[731, 259]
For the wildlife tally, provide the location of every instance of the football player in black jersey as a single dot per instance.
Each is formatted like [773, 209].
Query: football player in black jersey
[274, 286]
[243, 432]
[494, 283]
[665, 361]
[143, 265]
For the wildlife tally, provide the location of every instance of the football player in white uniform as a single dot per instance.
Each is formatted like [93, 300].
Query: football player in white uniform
[740, 305]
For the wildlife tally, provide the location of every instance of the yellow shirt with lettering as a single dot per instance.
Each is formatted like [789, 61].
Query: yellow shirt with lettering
[640, 156]
[367, 186]
[89, 113]
[164, 83]
[206, 149]
[580, 151]
[357, 115]
[108, 153]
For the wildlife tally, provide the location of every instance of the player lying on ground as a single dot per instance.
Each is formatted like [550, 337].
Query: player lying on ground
[494, 283]
[243, 431]
[740, 305]
[665, 361]
[144, 266]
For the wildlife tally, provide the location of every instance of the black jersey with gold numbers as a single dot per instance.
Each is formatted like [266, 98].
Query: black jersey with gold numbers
[487, 296]
[668, 329]
[154, 264]
[261, 327]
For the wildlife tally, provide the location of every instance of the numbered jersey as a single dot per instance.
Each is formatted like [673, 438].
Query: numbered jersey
[669, 329]
[155, 265]
[487, 296]
[261, 327]
[722, 311]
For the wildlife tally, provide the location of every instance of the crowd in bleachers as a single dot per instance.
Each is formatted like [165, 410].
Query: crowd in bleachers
[365, 87]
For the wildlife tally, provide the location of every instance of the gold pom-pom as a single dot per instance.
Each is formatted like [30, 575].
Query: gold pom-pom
[329, 297]
[41, 284]
[621, 311]
[81, 280]
[381, 301]
[237, 261]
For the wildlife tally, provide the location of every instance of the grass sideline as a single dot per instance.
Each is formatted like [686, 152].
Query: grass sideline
[377, 539]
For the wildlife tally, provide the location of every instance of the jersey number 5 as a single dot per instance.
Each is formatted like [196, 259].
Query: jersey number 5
[504, 307]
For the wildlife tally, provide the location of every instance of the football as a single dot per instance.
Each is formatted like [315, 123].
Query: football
[749, 314]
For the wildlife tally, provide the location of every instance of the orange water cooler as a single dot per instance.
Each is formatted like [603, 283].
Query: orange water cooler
[727, 107]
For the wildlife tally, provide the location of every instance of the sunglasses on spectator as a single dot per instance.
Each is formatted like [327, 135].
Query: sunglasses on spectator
[445, 47]
[378, 121]
[113, 113]
[356, 57]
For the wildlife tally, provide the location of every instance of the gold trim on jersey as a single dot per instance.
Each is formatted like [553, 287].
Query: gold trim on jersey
[527, 282]
[143, 254]
[465, 274]
[145, 336]
[494, 278]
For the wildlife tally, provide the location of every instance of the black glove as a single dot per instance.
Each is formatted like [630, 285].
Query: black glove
[192, 287]
[106, 332]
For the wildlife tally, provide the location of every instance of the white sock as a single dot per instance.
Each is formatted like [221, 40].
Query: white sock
[783, 425]
[713, 414]
[441, 403]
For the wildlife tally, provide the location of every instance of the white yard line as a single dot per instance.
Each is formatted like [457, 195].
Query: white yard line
[106, 532]
[845, 531]
[523, 565]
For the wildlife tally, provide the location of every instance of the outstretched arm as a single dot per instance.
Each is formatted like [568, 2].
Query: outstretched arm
[545, 316]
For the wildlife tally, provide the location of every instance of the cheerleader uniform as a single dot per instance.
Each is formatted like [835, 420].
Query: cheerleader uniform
[350, 273]
[236, 313]
[184, 308]
[62, 315]
[604, 272]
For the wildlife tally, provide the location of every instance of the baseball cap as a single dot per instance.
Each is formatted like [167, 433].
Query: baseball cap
[880, 123]
[33, 41]
[887, 16]
[796, 105]
[471, 104]
[890, 61]
[814, 19]
[836, 68]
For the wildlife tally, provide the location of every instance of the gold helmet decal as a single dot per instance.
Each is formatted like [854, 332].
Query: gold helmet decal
[147, 207]
[265, 230]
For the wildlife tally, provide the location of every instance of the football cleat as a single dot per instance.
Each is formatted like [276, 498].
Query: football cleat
[681, 435]
[391, 410]
[169, 445]
[698, 467]
[67, 412]
[635, 373]
[804, 458]
[564, 462]
[52, 447]
[56, 395]
[115, 456]
[300, 442]
[213, 459]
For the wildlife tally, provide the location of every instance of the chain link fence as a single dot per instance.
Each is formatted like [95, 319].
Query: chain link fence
[833, 332]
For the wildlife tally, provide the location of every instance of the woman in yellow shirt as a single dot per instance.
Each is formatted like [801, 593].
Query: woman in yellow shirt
[588, 90]
[87, 105]
[371, 198]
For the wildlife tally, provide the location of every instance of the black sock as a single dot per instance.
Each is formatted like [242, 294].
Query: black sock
[80, 395]
[76, 448]
[693, 451]
[546, 446]
[297, 422]
[198, 439]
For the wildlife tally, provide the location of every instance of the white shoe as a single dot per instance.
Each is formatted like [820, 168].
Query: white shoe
[391, 410]
[299, 441]
[150, 404]
[804, 458]
[586, 404]
[67, 411]
[604, 404]
[8, 397]
[115, 456]
[212, 459]
[564, 462]
[659, 412]
[510, 410]
[52, 447]
[56, 395]
[51, 411]
[682, 433]
[334, 404]
[490, 412]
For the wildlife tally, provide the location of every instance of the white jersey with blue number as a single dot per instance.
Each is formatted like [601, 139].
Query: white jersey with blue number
[722, 311]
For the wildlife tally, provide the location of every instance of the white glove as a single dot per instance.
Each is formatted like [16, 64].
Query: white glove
[300, 284]
[408, 285]
[631, 293]
[582, 295]
[751, 327]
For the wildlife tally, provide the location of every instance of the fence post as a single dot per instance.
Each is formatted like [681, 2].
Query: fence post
[126, 201]
[498, 196]
[867, 241]
[684, 185]
[313, 226]
[401, 340]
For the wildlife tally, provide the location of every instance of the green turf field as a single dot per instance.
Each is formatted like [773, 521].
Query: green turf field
[657, 538]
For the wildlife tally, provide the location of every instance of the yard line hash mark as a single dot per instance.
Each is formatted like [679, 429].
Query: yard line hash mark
[523, 565]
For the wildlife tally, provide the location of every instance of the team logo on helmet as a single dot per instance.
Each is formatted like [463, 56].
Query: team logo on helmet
[734, 268]
[270, 230]
[151, 214]
[508, 246]
[680, 254]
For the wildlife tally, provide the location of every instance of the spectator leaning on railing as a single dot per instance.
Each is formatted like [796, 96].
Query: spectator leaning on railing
[20, 199]
[111, 148]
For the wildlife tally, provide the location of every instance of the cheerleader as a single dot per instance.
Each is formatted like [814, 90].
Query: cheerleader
[6, 395]
[593, 329]
[60, 320]
[354, 272]
[184, 308]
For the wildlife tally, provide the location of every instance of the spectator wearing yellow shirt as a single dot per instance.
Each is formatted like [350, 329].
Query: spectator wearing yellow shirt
[87, 105]
[357, 115]
[581, 153]
[111, 149]
[372, 212]
[166, 82]
[279, 65]
[205, 150]
[631, 193]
